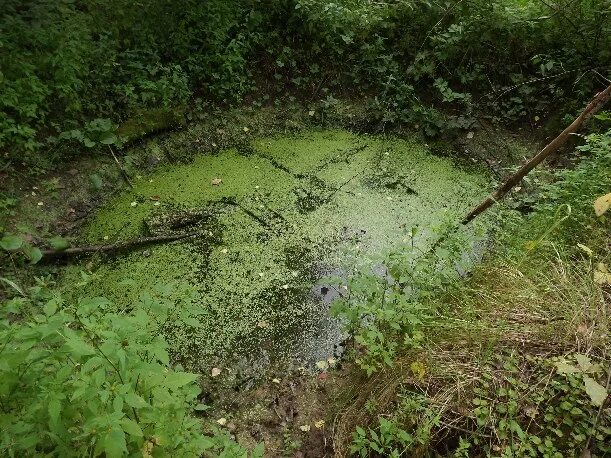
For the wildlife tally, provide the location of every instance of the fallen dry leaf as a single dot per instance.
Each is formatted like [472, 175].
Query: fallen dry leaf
[216, 181]
[222, 421]
[322, 365]
[215, 372]
[276, 381]
[155, 198]
[305, 428]
[602, 275]
[585, 249]
[602, 204]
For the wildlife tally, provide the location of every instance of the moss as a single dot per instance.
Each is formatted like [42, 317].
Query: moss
[253, 273]
[146, 122]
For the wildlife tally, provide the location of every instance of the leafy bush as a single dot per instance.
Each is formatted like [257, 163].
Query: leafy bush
[427, 64]
[385, 308]
[85, 379]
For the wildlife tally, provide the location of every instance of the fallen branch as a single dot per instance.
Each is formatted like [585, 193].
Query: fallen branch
[593, 107]
[121, 169]
[118, 246]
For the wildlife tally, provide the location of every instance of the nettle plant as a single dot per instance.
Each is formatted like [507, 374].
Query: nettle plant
[83, 379]
[385, 308]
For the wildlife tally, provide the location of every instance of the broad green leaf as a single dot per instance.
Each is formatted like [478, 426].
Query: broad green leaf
[50, 307]
[131, 427]
[585, 364]
[59, 243]
[96, 181]
[114, 443]
[177, 379]
[79, 347]
[595, 390]
[11, 242]
[563, 367]
[32, 253]
[54, 408]
[258, 451]
[133, 400]
[108, 138]
[117, 404]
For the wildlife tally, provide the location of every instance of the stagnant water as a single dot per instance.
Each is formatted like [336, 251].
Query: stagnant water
[274, 217]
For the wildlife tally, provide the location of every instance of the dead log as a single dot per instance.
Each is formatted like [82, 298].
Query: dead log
[114, 247]
[593, 107]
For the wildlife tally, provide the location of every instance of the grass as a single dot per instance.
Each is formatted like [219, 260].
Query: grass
[490, 378]
[504, 311]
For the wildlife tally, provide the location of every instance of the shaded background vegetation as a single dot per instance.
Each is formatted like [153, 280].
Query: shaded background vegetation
[65, 62]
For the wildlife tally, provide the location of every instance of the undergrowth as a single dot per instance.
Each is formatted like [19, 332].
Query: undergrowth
[83, 379]
[430, 64]
[512, 361]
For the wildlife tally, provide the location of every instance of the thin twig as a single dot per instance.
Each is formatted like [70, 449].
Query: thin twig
[121, 169]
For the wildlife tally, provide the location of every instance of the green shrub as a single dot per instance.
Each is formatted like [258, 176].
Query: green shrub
[86, 379]
[426, 64]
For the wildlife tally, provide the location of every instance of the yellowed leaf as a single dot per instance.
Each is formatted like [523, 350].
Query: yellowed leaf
[602, 275]
[322, 365]
[216, 181]
[585, 249]
[419, 369]
[319, 424]
[602, 204]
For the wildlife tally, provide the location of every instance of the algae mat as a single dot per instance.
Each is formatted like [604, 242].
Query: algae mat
[273, 217]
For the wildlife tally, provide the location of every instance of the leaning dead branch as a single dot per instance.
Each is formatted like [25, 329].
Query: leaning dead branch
[593, 107]
[115, 247]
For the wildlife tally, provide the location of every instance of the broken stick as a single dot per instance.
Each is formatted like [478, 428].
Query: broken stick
[118, 246]
[121, 169]
[593, 107]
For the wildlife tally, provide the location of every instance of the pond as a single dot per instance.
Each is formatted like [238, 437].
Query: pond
[272, 218]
